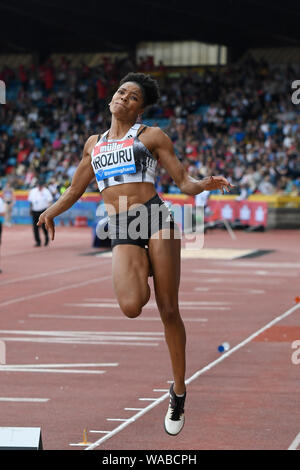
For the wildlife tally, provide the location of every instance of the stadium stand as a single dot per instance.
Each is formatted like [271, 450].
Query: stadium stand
[237, 120]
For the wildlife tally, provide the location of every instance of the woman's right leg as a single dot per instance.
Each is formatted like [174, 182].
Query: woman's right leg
[130, 269]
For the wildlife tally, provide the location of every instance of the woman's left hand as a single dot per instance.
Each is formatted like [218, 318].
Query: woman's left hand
[211, 183]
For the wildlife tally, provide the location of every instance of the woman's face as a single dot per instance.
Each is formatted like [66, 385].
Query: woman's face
[128, 102]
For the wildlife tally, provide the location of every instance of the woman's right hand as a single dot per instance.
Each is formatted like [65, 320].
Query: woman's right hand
[49, 223]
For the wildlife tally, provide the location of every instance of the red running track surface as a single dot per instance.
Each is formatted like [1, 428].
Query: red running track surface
[74, 362]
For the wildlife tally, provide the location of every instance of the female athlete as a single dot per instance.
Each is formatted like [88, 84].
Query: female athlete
[124, 160]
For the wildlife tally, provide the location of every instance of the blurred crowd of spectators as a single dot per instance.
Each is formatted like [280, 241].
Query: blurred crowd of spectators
[238, 121]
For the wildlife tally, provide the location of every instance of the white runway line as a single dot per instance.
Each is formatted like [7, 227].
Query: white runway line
[25, 400]
[94, 305]
[80, 444]
[100, 432]
[194, 376]
[264, 264]
[56, 366]
[118, 419]
[123, 317]
[234, 291]
[78, 341]
[133, 409]
[48, 274]
[53, 291]
[254, 273]
[258, 272]
[53, 371]
[84, 337]
[147, 399]
[88, 334]
[102, 299]
[243, 343]
[295, 444]
[182, 304]
[247, 280]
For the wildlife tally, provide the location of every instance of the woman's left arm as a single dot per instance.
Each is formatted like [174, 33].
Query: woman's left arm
[164, 149]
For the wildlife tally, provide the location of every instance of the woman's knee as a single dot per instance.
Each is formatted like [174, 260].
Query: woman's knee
[132, 306]
[130, 310]
[169, 314]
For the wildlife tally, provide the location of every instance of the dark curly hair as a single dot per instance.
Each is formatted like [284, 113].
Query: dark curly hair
[148, 85]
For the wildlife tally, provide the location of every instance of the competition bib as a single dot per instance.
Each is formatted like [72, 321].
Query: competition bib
[113, 159]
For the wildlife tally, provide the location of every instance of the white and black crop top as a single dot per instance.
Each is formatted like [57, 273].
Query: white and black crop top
[125, 160]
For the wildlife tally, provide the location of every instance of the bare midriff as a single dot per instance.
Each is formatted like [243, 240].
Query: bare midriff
[122, 197]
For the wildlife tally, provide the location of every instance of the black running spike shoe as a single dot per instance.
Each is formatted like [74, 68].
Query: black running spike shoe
[174, 419]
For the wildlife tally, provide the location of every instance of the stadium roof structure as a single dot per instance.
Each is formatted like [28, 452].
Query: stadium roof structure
[47, 26]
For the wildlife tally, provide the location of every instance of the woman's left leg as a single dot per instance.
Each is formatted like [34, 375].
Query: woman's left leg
[164, 255]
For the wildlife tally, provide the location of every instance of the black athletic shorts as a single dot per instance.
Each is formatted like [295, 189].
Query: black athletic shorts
[137, 225]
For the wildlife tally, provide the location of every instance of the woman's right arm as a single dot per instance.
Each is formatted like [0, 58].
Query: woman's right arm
[81, 179]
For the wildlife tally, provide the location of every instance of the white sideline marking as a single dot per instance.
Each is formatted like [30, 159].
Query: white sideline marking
[84, 337]
[264, 264]
[194, 376]
[234, 290]
[183, 303]
[29, 400]
[117, 419]
[61, 371]
[107, 317]
[56, 366]
[133, 409]
[101, 432]
[48, 273]
[78, 334]
[294, 445]
[80, 444]
[186, 305]
[246, 280]
[77, 341]
[53, 291]
[258, 272]
[147, 399]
